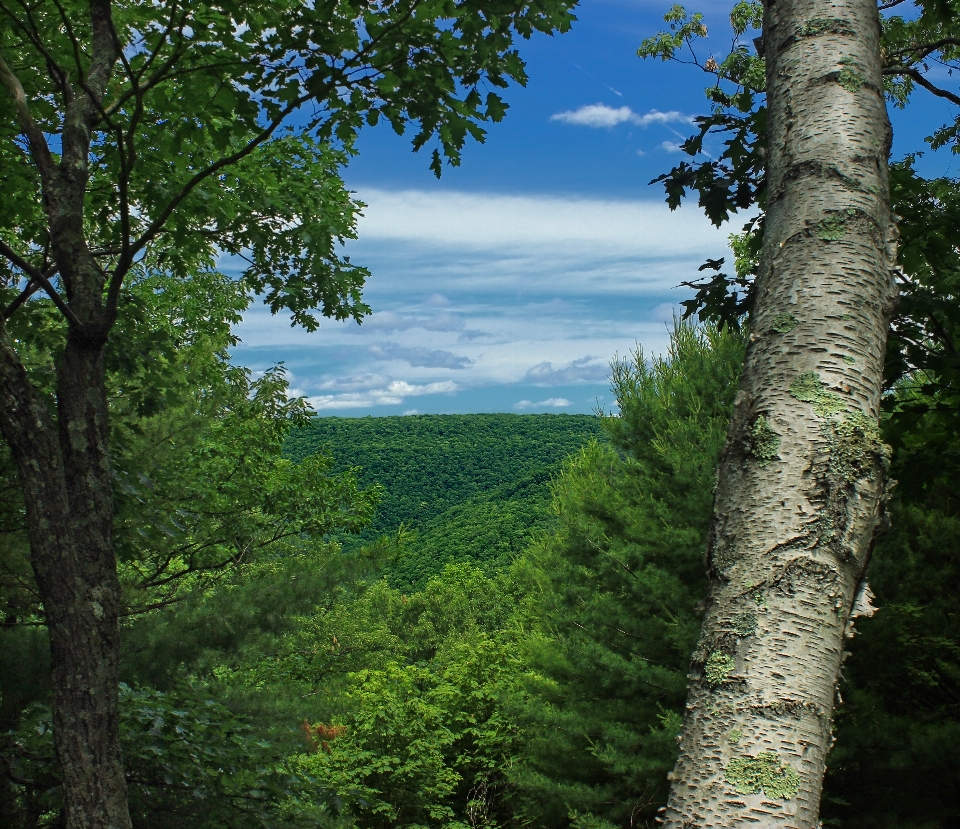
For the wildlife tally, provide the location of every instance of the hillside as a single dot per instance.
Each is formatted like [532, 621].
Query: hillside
[471, 486]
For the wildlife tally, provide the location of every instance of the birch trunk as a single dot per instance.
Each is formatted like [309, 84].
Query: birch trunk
[801, 486]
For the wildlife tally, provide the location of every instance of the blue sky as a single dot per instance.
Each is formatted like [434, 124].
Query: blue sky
[511, 283]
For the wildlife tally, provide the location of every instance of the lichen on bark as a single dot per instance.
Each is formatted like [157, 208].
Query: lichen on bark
[848, 77]
[719, 666]
[763, 773]
[809, 388]
[856, 449]
[762, 442]
[784, 322]
[745, 624]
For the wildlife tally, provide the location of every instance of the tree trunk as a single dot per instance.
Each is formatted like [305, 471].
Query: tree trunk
[801, 486]
[64, 470]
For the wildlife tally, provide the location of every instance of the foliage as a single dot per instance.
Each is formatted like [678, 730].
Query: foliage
[412, 699]
[470, 487]
[429, 463]
[220, 127]
[199, 481]
[896, 759]
[187, 760]
[618, 587]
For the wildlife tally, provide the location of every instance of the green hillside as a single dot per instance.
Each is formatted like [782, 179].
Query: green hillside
[471, 486]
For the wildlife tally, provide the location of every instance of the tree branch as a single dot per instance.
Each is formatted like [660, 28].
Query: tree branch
[32, 287]
[918, 51]
[57, 72]
[38, 142]
[37, 275]
[918, 78]
[120, 271]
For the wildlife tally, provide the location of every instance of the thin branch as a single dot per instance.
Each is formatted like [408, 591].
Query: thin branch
[30, 270]
[32, 287]
[116, 280]
[884, 6]
[59, 75]
[127, 148]
[38, 275]
[918, 51]
[918, 78]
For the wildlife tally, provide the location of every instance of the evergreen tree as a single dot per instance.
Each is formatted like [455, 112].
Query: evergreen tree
[617, 590]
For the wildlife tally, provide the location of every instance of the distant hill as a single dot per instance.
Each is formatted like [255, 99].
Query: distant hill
[472, 486]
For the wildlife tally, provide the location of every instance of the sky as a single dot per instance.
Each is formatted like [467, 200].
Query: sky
[510, 284]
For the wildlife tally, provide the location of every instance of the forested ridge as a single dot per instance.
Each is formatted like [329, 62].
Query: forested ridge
[464, 487]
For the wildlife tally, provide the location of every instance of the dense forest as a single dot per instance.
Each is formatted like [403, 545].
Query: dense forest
[457, 487]
[334, 683]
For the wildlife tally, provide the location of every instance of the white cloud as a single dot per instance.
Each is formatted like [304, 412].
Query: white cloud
[550, 403]
[671, 146]
[601, 116]
[388, 321]
[487, 239]
[491, 290]
[392, 394]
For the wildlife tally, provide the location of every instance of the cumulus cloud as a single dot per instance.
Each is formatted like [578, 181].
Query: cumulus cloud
[583, 370]
[391, 394]
[421, 357]
[671, 146]
[601, 116]
[549, 403]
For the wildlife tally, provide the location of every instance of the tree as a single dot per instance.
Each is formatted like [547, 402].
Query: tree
[922, 346]
[616, 589]
[802, 476]
[148, 139]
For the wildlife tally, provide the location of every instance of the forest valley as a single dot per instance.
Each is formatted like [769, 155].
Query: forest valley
[434, 621]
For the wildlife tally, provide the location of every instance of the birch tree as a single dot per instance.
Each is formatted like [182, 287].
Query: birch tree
[802, 477]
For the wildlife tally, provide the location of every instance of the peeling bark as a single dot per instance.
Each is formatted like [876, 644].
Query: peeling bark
[802, 478]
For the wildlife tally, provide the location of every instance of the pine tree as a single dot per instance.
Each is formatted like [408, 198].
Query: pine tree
[618, 588]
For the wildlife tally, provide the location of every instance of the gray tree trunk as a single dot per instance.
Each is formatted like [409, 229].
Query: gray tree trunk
[801, 487]
[63, 462]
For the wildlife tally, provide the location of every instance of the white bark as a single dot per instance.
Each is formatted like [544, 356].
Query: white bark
[801, 485]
